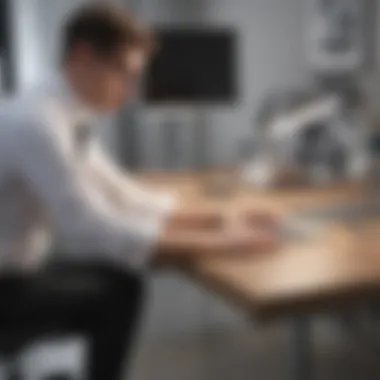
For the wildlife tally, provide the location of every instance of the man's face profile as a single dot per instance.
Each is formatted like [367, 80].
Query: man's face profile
[110, 79]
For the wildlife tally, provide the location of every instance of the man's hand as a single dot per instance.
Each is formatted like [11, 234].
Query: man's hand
[176, 245]
[208, 216]
[263, 218]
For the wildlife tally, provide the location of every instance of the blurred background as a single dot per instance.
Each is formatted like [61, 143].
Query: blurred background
[243, 82]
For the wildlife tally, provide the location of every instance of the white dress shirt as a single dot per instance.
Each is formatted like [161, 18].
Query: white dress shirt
[53, 188]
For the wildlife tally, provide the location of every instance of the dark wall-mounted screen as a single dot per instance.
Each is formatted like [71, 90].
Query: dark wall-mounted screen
[193, 65]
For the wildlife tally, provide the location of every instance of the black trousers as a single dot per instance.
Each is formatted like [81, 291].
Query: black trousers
[100, 302]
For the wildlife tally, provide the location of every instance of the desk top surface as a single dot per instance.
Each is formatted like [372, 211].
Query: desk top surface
[339, 266]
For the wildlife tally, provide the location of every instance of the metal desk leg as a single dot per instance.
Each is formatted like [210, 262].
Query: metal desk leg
[301, 350]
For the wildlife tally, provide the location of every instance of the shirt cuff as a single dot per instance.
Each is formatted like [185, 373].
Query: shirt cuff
[139, 257]
[152, 224]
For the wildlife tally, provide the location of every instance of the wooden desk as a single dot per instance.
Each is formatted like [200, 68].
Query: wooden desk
[339, 268]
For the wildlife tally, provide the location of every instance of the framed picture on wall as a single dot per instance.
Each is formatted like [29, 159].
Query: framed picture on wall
[336, 35]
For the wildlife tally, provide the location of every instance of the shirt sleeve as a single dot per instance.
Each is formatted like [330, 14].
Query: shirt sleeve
[126, 188]
[85, 225]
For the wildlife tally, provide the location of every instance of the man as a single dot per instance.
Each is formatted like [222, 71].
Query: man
[56, 181]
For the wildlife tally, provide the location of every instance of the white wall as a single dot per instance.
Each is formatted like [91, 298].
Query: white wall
[26, 42]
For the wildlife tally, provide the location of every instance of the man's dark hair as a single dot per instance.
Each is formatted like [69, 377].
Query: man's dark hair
[105, 28]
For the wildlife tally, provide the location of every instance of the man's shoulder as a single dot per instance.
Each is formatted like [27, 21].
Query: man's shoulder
[20, 108]
[24, 120]
[30, 110]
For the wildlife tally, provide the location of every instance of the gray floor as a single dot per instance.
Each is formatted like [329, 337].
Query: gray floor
[258, 353]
